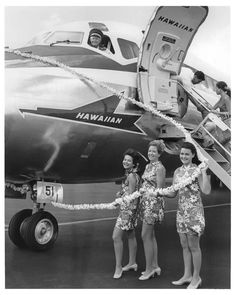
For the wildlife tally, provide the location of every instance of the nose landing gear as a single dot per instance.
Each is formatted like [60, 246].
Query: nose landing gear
[34, 229]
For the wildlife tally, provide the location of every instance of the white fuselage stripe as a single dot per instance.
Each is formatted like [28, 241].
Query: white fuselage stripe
[123, 78]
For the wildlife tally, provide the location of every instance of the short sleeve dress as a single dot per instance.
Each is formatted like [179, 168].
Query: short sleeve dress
[151, 207]
[128, 214]
[190, 213]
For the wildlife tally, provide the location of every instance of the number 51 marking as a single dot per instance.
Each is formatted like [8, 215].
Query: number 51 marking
[49, 190]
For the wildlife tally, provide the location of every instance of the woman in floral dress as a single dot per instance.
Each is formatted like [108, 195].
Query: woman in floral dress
[190, 220]
[152, 207]
[127, 219]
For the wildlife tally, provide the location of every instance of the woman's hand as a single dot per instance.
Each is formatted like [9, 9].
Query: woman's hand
[152, 194]
[204, 180]
[204, 168]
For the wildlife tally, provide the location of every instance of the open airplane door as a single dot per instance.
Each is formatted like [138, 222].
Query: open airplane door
[163, 50]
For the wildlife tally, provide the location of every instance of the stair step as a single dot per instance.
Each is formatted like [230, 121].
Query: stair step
[226, 166]
[216, 155]
[220, 166]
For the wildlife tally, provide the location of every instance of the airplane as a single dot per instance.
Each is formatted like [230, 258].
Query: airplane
[60, 129]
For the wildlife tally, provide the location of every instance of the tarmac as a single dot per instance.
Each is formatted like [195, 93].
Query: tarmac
[83, 256]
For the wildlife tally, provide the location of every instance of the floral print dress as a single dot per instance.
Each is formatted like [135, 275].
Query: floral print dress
[151, 207]
[190, 213]
[127, 218]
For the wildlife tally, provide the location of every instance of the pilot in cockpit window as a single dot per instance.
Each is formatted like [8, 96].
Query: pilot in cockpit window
[96, 40]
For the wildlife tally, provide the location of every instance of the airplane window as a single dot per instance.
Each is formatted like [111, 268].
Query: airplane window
[102, 42]
[99, 26]
[128, 49]
[38, 39]
[62, 36]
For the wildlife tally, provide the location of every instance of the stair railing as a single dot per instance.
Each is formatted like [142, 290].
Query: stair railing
[216, 120]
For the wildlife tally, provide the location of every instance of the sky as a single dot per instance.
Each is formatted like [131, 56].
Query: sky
[211, 44]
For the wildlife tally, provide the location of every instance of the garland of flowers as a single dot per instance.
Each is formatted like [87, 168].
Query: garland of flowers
[101, 206]
[22, 189]
[137, 194]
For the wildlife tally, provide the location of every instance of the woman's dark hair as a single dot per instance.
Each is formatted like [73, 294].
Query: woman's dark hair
[200, 75]
[191, 147]
[223, 86]
[135, 156]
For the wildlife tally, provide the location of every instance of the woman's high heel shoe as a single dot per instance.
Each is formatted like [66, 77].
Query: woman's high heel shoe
[190, 286]
[147, 277]
[118, 275]
[157, 271]
[130, 267]
[182, 282]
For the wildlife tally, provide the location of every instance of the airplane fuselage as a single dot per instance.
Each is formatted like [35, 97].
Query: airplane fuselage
[70, 130]
[62, 128]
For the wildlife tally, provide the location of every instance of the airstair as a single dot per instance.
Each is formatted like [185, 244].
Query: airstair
[219, 154]
[162, 52]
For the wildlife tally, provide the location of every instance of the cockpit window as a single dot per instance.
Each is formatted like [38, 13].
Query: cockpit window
[62, 36]
[128, 49]
[98, 40]
[99, 26]
[38, 39]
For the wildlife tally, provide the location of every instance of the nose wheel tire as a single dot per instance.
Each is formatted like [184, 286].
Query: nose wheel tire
[15, 227]
[40, 231]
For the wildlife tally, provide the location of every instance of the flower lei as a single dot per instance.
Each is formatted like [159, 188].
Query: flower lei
[136, 194]
[85, 206]
[22, 189]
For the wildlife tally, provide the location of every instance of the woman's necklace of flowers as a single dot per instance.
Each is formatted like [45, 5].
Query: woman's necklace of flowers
[149, 172]
[136, 194]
